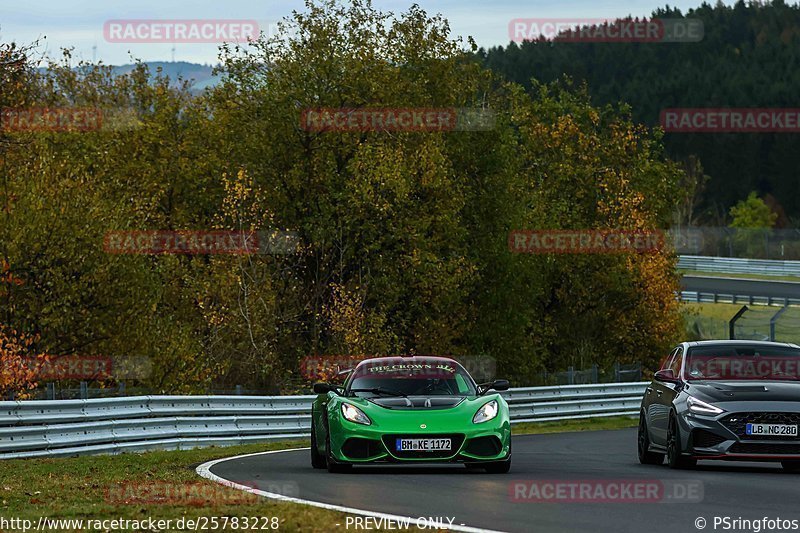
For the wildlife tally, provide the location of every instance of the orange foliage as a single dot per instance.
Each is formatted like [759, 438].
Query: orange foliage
[19, 362]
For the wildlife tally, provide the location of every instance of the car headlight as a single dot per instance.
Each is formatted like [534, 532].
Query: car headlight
[354, 414]
[486, 413]
[701, 407]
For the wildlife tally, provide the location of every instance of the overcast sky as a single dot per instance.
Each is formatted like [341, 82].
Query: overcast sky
[79, 23]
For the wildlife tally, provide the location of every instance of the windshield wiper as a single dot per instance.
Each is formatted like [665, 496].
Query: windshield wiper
[381, 390]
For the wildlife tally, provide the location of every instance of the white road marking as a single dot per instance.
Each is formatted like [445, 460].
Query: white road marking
[204, 470]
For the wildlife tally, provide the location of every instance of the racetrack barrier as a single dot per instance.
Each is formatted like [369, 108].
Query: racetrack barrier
[140, 423]
[739, 265]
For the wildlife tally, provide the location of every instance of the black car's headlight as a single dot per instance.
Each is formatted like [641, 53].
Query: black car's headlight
[486, 413]
[701, 407]
[354, 414]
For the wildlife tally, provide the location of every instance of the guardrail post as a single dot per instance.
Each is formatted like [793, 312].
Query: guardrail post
[571, 375]
[732, 323]
[84, 391]
[773, 321]
[122, 388]
[238, 390]
[51, 391]
[616, 371]
[595, 376]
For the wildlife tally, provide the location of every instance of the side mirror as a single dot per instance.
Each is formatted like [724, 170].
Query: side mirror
[498, 385]
[322, 388]
[667, 376]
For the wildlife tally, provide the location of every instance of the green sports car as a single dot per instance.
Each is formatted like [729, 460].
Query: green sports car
[410, 410]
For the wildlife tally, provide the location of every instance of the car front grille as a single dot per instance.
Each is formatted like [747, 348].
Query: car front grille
[357, 448]
[488, 446]
[757, 448]
[705, 439]
[456, 440]
[736, 422]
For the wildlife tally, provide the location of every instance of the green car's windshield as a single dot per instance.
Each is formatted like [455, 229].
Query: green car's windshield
[411, 378]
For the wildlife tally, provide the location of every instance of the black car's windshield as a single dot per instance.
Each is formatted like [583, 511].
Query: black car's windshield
[411, 378]
[745, 362]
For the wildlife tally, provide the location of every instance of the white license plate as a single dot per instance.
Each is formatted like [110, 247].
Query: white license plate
[423, 445]
[771, 429]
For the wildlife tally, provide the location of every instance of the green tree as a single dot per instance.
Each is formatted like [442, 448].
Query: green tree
[403, 235]
[752, 220]
[752, 213]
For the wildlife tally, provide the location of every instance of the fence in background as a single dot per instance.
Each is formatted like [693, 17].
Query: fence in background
[735, 265]
[594, 374]
[57, 391]
[118, 425]
[617, 373]
[778, 244]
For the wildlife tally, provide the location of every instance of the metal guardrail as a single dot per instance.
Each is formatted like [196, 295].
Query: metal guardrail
[713, 297]
[735, 265]
[117, 425]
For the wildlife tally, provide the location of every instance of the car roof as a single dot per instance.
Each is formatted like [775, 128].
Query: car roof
[394, 359]
[741, 342]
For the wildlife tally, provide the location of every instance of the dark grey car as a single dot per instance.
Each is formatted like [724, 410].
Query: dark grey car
[730, 400]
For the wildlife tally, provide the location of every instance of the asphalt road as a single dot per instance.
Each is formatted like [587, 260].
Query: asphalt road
[736, 490]
[741, 287]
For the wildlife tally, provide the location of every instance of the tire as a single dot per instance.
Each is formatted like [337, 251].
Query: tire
[674, 458]
[646, 457]
[333, 466]
[317, 459]
[791, 466]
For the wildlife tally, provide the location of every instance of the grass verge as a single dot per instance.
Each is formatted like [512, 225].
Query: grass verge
[164, 485]
[766, 277]
[707, 320]
[585, 424]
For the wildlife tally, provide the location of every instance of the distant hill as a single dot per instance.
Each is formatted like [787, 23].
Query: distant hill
[201, 75]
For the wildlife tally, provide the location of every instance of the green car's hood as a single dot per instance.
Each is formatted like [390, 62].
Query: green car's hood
[418, 402]
[439, 417]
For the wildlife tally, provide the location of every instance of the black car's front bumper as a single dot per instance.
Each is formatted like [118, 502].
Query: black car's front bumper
[724, 437]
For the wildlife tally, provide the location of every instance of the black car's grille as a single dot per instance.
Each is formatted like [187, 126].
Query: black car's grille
[736, 422]
[457, 439]
[484, 446]
[705, 439]
[765, 448]
[357, 448]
